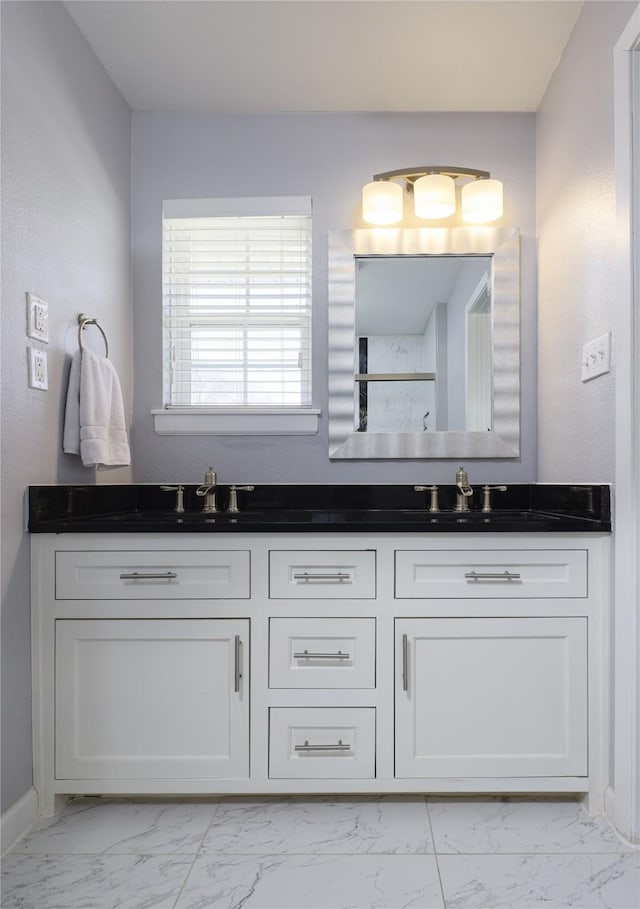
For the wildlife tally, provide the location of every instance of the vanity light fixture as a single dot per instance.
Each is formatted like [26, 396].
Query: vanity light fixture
[434, 193]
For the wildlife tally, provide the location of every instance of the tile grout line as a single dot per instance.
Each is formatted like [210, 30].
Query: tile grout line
[198, 852]
[535, 853]
[435, 851]
[236, 852]
[271, 854]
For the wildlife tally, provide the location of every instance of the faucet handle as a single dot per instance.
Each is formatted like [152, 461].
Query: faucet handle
[433, 506]
[179, 490]
[486, 496]
[233, 496]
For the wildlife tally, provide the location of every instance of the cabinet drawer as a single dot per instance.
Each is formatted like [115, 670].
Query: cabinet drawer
[322, 653]
[152, 575]
[497, 574]
[322, 743]
[326, 574]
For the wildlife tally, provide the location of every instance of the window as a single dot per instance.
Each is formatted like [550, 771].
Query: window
[237, 305]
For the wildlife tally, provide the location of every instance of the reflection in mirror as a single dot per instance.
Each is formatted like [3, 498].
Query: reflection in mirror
[424, 343]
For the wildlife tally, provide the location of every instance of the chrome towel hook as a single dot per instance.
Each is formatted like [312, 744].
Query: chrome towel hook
[83, 321]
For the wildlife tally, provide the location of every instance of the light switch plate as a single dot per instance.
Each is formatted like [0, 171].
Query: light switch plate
[37, 318]
[38, 371]
[596, 357]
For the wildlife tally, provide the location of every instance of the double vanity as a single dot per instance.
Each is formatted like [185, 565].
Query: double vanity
[319, 639]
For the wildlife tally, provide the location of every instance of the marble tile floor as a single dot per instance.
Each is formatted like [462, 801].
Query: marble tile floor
[321, 852]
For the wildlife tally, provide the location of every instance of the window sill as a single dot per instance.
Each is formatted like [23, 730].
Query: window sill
[230, 421]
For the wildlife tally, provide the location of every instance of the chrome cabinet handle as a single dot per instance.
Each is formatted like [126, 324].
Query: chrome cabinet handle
[148, 575]
[305, 655]
[492, 575]
[237, 674]
[306, 577]
[307, 747]
[405, 662]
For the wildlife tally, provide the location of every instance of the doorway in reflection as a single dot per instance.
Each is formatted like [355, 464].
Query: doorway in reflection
[424, 344]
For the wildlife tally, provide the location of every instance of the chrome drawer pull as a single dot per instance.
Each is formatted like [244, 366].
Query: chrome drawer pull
[306, 577]
[307, 747]
[237, 674]
[405, 662]
[305, 655]
[148, 576]
[492, 576]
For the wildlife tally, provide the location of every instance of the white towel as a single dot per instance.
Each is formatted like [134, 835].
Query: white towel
[94, 425]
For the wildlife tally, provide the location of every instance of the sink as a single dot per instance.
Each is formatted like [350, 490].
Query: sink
[349, 519]
[492, 517]
[324, 516]
[161, 517]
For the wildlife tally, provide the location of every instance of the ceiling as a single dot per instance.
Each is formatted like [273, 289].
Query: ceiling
[396, 295]
[328, 55]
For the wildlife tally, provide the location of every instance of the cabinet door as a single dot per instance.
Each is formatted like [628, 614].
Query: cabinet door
[152, 699]
[491, 697]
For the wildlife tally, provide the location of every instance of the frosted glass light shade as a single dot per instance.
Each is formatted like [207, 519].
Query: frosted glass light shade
[482, 201]
[382, 202]
[434, 196]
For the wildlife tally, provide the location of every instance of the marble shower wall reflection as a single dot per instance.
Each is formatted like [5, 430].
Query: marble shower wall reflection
[401, 406]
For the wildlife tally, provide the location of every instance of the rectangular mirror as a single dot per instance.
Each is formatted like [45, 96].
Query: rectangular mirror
[424, 343]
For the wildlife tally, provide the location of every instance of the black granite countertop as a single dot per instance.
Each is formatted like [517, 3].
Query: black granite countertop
[274, 508]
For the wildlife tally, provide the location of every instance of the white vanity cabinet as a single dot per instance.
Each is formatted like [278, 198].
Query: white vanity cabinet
[491, 697]
[151, 699]
[479, 695]
[176, 663]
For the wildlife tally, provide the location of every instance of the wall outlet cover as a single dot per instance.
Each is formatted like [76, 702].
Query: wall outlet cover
[37, 318]
[596, 357]
[38, 369]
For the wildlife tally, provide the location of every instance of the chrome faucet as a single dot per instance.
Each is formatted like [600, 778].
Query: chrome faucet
[463, 490]
[208, 490]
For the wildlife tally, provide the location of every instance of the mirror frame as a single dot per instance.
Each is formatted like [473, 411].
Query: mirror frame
[503, 244]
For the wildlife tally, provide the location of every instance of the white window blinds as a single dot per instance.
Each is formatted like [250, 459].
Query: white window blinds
[237, 304]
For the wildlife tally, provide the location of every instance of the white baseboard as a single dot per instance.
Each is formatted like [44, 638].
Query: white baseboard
[17, 819]
[609, 803]
[610, 813]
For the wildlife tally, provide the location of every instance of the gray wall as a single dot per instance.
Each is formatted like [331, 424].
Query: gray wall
[65, 236]
[577, 250]
[330, 157]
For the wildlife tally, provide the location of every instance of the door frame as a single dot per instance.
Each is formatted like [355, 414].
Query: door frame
[623, 797]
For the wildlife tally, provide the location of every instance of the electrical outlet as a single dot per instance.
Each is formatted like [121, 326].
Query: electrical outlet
[38, 372]
[596, 357]
[37, 318]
